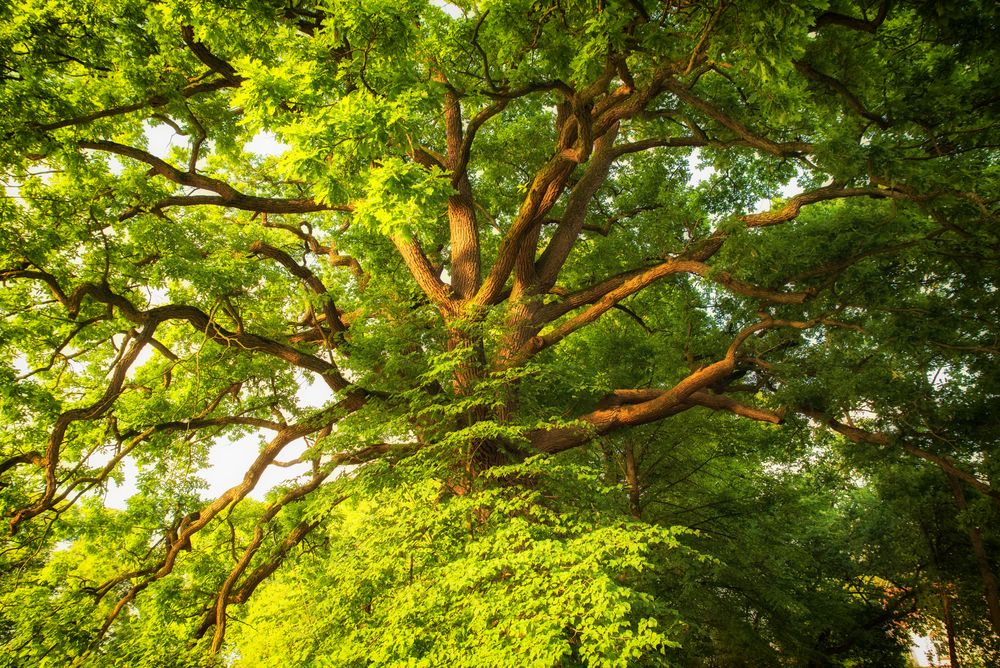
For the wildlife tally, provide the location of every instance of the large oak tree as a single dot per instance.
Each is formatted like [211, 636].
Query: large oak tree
[518, 241]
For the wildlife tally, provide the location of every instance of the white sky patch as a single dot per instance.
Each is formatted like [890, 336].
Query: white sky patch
[313, 393]
[20, 364]
[117, 495]
[115, 165]
[157, 296]
[790, 189]
[228, 462]
[699, 174]
[451, 10]
[161, 138]
[924, 653]
[265, 144]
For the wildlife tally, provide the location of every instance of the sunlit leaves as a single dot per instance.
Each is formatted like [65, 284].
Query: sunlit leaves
[431, 578]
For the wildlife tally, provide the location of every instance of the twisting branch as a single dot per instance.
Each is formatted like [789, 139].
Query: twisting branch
[858, 435]
[65, 419]
[229, 593]
[198, 520]
[336, 258]
[781, 149]
[603, 296]
[838, 86]
[226, 195]
[303, 273]
[152, 101]
[870, 26]
[647, 406]
[197, 318]
[794, 205]
[205, 55]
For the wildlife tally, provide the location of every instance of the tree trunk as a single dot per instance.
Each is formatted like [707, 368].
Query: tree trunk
[990, 588]
[949, 627]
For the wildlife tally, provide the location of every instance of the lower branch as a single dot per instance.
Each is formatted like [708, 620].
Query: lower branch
[858, 435]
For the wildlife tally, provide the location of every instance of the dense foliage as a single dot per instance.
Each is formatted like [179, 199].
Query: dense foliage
[651, 332]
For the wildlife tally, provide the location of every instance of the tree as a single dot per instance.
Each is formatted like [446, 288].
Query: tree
[483, 235]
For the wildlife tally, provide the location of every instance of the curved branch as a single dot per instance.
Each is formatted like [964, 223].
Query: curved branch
[638, 407]
[306, 276]
[423, 273]
[794, 205]
[858, 435]
[781, 149]
[194, 316]
[318, 421]
[66, 418]
[835, 18]
[225, 195]
[205, 55]
[838, 86]
[152, 101]
[566, 234]
[605, 295]
[226, 594]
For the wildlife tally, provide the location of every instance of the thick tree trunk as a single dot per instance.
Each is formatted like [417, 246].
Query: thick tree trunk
[990, 588]
[949, 627]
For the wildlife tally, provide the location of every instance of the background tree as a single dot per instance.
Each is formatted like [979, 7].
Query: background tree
[550, 352]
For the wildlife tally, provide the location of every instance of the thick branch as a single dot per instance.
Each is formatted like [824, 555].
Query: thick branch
[605, 295]
[542, 195]
[307, 277]
[794, 205]
[559, 247]
[834, 18]
[858, 435]
[652, 405]
[209, 59]
[226, 195]
[838, 86]
[782, 149]
[423, 273]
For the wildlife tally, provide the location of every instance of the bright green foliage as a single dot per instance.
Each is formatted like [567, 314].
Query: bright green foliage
[513, 574]
[637, 332]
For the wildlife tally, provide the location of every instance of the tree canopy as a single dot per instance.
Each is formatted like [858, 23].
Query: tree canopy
[651, 332]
